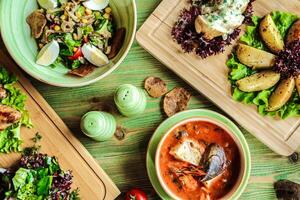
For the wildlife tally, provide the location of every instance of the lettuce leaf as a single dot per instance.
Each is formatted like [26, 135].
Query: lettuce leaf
[260, 99]
[283, 21]
[10, 140]
[238, 70]
[251, 36]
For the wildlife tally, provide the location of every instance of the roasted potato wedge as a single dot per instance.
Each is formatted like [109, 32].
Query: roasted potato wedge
[282, 94]
[297, 82]
[294, 32]
[254, 58]
[270, 34]
[259, 81]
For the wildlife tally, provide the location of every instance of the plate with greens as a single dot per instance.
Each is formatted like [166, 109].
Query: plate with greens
[68, 43]
[36, 177]
[13, 114]
[265, 65]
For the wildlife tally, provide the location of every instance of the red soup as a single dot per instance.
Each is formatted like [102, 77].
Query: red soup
[199, 160]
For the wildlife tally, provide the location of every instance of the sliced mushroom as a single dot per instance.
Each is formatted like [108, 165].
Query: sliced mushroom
[282, 94]
[176, 101]
[37, 22]
[8, 116]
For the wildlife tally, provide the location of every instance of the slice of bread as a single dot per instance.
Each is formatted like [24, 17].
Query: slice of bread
[188, 150]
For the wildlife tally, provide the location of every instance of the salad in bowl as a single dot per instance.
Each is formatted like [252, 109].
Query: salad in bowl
[76, 34]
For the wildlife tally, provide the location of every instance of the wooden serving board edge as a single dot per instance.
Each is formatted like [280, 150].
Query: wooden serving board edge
[60, 125]
[283, 147]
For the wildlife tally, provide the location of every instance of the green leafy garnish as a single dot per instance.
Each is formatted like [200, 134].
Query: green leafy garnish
[252, 37]
[10, 140]
[283, 21]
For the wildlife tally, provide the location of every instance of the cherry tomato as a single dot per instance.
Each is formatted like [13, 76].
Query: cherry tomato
[76, 55]
[136, 194]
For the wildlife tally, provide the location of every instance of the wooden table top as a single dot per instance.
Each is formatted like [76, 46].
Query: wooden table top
[124, 161]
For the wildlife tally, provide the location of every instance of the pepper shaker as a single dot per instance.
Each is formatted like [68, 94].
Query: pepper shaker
[97, 125]
[130, 100]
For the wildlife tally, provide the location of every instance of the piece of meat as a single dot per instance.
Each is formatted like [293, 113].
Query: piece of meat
[3, 93]
[188, 183]
[188, 150]
[82, 71]
[8, 116]
[176, 101]
[155, 87]
[117, 42]
[37, 22]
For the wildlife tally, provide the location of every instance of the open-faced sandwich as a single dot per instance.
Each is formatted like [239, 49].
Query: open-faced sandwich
[265, 66]
[37, 177]
[12, 113]
[210, 25]
[77, 34]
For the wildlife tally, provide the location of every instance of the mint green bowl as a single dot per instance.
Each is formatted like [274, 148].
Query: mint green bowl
[23, 48]
[190, 115]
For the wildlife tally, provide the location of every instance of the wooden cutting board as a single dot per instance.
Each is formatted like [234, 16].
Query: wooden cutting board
[209, 76]
[57, 140]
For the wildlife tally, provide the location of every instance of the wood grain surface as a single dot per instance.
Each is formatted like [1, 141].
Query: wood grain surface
[209, 75]
[124, 161]
[57, 140]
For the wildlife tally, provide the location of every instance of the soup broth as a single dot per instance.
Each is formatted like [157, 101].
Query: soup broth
[183, 173]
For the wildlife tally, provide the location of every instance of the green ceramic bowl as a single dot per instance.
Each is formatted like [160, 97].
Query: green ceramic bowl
[205, 115]
[22, 47]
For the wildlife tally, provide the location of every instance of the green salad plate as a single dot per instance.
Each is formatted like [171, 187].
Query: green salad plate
[23, 48]
[183, 116]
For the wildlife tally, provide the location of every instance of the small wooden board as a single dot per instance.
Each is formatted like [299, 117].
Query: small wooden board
[57, 140]
[209, 76]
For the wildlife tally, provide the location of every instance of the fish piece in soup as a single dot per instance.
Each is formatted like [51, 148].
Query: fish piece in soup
[188, 182]
[188, 150]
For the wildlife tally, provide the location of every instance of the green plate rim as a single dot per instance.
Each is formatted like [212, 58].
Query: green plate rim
[170, 122]
[18, 60]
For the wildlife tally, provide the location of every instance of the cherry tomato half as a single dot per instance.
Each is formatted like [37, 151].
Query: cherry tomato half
[76, 55]
[136, 194]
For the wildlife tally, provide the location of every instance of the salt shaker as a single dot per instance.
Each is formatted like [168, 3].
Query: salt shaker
[130, 100]
[99, 126]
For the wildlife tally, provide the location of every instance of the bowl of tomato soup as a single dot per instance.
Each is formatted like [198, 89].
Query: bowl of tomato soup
[202, 158]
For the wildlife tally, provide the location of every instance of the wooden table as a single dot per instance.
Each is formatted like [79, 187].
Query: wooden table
[124, 161]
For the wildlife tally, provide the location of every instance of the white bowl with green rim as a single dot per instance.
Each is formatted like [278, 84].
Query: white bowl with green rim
[23, 48]
[204, 115]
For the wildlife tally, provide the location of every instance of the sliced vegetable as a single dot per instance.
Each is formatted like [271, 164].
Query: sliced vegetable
[76, 55]
[282, 94]
[270, 34]
[259, 81]
[294, 32]
[255, 58]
